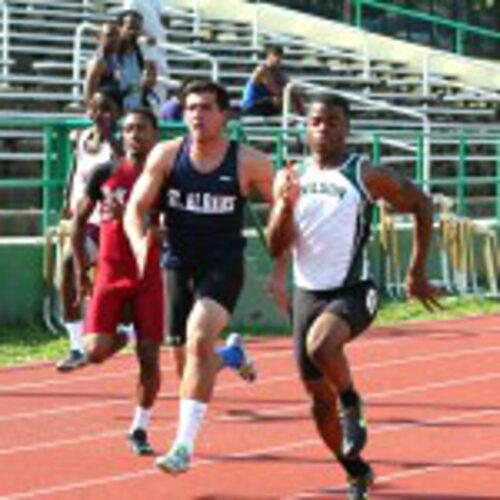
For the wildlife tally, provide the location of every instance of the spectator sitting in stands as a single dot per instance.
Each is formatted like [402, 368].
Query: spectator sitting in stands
[171, 109]
[263, 93]
[102, 73]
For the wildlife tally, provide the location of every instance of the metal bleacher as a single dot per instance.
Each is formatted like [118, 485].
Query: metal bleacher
[37, 82]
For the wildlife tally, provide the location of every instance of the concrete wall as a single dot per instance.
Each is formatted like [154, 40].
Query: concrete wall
[21, 283]
[273, 18]
[21, 286]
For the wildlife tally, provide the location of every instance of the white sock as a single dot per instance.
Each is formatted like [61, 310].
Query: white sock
[75, 333]
[191, 415]
[141, 419]
[128, 330]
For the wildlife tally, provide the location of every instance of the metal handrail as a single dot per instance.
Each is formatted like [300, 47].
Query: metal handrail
[6, 39]
[195, 54]
[377, 105]
[364, 58]
[256, 27]
[77, 53]
[196, 18]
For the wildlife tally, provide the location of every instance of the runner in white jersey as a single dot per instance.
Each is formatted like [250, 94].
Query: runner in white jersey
[93, 146]
[322, 213]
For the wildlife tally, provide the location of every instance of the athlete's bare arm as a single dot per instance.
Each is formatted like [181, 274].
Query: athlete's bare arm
[144, 194]
[280, 231]
[95, 70]
[265, 76]
[256, 173]
[84, 210]
[406, 197]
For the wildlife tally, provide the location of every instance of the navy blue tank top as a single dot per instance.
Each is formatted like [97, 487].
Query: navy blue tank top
[204, 211]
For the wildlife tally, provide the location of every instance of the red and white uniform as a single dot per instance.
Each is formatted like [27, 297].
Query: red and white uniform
[118, 284]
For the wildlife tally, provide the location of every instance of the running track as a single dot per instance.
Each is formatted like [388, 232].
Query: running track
[433, 401]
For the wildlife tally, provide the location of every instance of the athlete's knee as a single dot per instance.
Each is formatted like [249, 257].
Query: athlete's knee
[97, 348]
[319, 347]
[324, 343]
[199, 344]
[95, 356]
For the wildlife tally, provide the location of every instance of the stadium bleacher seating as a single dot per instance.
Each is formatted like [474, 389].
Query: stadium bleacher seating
[37, 82]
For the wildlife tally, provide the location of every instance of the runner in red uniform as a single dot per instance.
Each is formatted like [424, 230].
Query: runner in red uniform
[119, 290]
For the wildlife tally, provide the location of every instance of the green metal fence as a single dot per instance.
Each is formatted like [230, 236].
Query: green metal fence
[461, 29]
[457, 181]
[436, 19]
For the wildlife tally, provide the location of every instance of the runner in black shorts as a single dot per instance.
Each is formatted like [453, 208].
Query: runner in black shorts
[355, 304]
[322, 213]
[221, 281]
[203, 180]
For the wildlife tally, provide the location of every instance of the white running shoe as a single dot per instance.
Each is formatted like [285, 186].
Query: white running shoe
[176, 461]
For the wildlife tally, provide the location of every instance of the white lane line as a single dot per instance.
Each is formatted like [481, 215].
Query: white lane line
[236, 456]
[367, 340]
[69, 378]
[360, 368]
[369, 397]
[109, 403]
[414, 471]
[408, 325]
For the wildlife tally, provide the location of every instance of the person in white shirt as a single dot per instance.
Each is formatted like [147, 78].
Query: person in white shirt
[321, 213]
[94, 145]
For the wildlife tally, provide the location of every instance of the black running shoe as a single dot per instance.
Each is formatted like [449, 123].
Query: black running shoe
[138, 440]
[357, 487]
[354, 431]
[75, 359]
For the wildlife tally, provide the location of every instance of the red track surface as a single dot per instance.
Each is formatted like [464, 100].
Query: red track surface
[433, 400]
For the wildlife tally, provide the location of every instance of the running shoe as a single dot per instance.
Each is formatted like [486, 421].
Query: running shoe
[76, 359]
[354, 429]
[139, 443]
[358, 487]
[176, 461]
[247, 369]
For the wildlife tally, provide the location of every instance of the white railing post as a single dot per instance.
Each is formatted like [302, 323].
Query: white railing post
[77, 53]
[425, 74]
[366, 56]
[255, 28]
[287, 111]
[6, 39]
[196, 18]
[426, 163]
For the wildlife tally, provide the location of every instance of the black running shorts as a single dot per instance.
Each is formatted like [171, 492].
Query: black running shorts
[356, 304]
[220, 281]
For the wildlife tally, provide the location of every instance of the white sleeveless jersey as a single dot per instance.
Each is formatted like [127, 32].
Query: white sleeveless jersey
[332, 219]
[85, 163]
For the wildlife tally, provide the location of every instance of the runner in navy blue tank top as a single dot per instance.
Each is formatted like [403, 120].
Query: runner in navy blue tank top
[204, 180]
[208, 205]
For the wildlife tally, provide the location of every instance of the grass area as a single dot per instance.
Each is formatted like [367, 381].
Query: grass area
[21, 344]
[453, 307]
